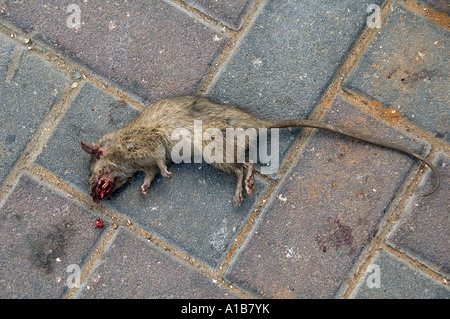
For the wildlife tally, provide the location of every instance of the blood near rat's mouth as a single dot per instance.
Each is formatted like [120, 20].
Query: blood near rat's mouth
[102, 188]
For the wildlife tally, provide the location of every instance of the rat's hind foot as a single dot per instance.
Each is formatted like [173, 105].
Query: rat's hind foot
[163, 168]
[249, 178]
[167, 174]
[238, 198]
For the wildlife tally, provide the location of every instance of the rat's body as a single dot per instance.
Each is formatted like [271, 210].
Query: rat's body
[145, 144]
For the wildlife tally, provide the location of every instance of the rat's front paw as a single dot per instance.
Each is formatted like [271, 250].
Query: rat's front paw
[144, 188]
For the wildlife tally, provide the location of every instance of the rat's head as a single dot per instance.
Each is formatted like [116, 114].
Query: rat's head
[106, 174]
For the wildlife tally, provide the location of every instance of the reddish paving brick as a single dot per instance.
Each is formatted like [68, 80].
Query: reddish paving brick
[324, 212]
[424, 231]
[228, 12]
[440, 5]
[150, 48]
[405, 67]
[134, 268]
[41, 233]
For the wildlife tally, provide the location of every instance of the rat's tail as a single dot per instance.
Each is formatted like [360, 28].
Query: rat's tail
[357, 136]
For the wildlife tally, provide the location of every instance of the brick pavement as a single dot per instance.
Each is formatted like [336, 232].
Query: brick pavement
[340, 219]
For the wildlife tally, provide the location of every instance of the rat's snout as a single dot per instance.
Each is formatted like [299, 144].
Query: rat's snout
[101, 187]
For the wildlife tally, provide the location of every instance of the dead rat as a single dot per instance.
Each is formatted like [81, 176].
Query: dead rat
[146, 143]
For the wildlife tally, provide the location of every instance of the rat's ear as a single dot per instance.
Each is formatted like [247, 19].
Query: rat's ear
[93, 150]
[90, 149]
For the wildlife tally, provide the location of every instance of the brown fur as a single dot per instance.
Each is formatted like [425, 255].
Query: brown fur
[145, 144]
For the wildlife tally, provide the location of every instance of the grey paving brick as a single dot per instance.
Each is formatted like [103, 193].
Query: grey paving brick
[423, 232]
[324, 212]
[29, 86]
[149, 48]
[42, 232]
[133, 268]
[405, 67]
[288, 58]
[92, 114]
[6, 48]
[228, 12]
[193, 210]
[398, 280]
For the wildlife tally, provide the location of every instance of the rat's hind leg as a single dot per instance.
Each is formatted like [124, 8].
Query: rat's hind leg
[238, 169]
[238, 198]
[249, 178]
[163, 168]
